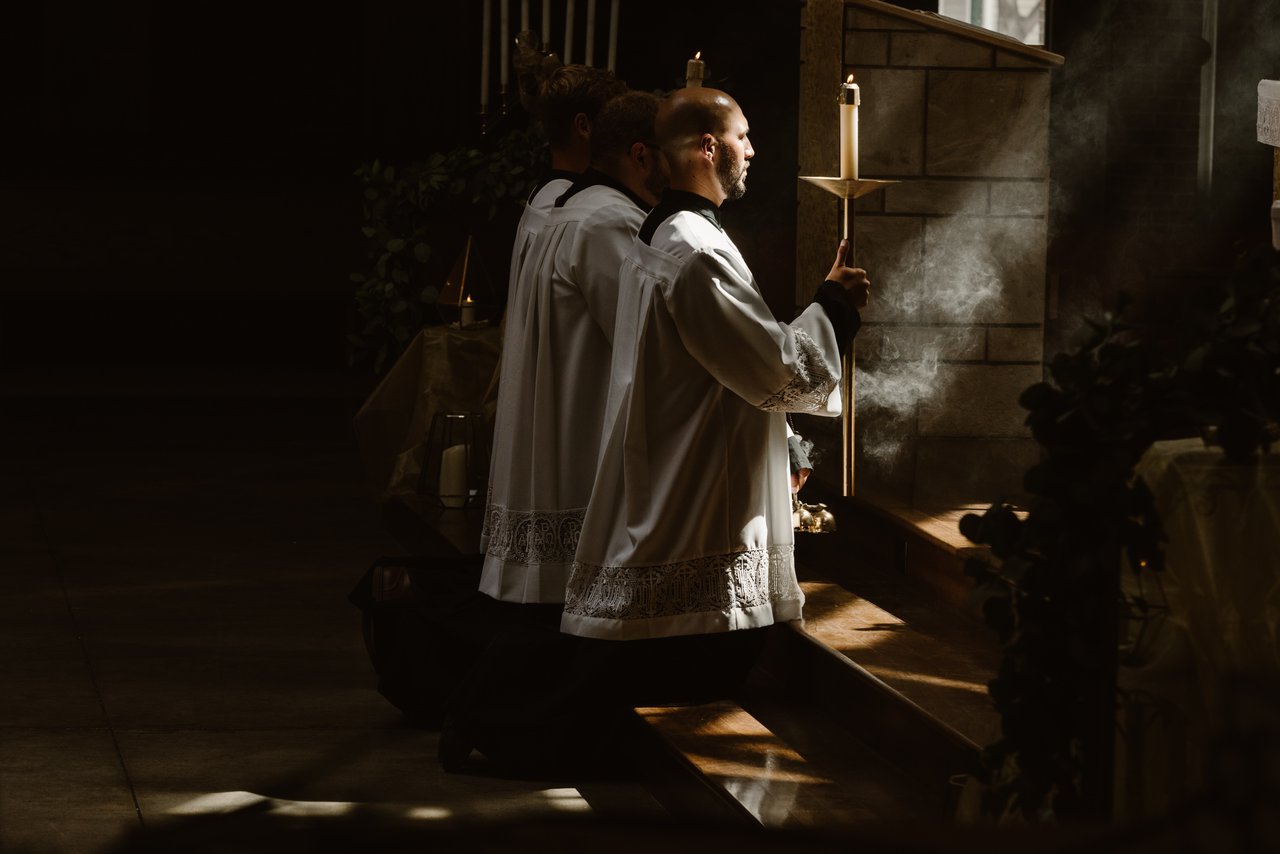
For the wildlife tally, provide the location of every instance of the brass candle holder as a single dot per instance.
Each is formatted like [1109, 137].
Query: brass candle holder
[848, 189]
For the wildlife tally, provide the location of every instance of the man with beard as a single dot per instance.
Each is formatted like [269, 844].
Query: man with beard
[686, 548]
[560, 335]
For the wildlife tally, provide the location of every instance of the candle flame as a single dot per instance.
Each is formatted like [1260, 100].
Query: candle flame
[468, 299]
[850, 80]
[698, 55]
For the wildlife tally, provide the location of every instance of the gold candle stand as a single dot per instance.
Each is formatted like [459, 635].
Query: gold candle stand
[848, 189]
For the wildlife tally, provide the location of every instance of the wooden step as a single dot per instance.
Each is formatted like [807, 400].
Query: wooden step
[923, 545]
[897, 708]
[937, 660]
[763, 779]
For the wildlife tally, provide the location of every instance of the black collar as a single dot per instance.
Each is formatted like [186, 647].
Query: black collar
[594, 177]
[552, 174]
[674, 201]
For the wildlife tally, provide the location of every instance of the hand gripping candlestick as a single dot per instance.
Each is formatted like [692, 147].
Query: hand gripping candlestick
[847, 187]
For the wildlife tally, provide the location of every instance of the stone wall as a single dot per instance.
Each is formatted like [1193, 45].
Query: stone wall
[956, 250]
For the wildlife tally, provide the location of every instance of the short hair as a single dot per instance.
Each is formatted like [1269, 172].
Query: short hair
[624, 121]
[573, 89]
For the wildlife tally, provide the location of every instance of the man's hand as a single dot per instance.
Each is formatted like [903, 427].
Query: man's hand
[853, 279]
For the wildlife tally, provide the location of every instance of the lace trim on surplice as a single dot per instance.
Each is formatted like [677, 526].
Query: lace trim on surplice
[531, 536]
[724, 582]
[812, 384]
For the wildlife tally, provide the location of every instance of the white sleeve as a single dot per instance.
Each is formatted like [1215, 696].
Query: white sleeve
[725, 324]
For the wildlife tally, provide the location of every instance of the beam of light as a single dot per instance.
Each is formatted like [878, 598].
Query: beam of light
[311, 809]
[229, 802]
[567, 800]
[217, 802]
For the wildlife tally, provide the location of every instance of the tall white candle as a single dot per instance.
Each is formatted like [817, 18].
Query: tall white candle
[850, 98]
[694, 70]
[591, 33]
[613, 36]
[504, 53]
[524, 15]
[546, 24]
[568, 33]
[453, 476]
[486, 35]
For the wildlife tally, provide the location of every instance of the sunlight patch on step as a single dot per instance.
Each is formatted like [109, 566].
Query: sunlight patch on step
[842, 620]
[716, 767]
[888, 674]
[567, 800]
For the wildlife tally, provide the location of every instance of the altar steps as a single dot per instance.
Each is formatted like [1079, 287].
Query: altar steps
[793, 773]
[874, 711]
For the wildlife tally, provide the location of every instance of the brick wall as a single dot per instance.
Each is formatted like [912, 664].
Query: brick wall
[956, 252]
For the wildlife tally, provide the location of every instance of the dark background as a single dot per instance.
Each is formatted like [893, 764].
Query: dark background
[178, 182]
[181, 187]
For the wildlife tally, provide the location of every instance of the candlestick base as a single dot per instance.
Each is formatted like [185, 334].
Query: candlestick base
[848, 188]
[502, 102]
[483, 119]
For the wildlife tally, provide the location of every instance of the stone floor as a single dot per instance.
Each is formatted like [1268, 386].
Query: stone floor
[174, 635]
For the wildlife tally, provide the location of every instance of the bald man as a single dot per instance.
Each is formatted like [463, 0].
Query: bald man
[689, 529]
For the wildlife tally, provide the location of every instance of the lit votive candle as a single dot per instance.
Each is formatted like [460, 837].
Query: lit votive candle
[694, 70]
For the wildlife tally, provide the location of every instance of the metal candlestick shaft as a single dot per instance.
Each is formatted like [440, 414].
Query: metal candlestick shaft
[848, 189]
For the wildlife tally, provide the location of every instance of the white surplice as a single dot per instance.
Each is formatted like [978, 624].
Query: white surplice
[534, 216]
[689, 528]
[552, 395]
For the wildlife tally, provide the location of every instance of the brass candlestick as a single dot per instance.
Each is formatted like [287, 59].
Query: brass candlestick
[848, 189]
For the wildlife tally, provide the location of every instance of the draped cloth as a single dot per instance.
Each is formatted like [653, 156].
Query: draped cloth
[552, 394]
[1213, 628]
[689, 527]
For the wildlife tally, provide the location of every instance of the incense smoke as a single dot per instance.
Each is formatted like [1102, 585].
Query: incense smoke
[932, 306]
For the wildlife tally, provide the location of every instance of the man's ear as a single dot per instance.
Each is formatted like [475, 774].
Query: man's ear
[582, 124]
[708, 146]
[639, 154]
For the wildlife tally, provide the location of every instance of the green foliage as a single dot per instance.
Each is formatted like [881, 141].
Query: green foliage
[415, 220]
[1052, 594]
[1052, 598]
